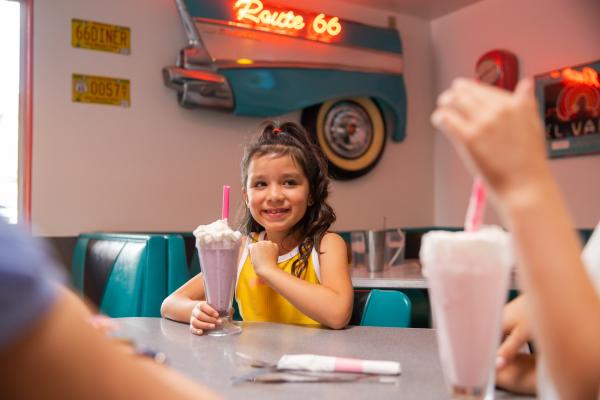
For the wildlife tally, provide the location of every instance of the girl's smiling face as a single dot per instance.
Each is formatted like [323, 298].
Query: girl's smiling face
[276, 192]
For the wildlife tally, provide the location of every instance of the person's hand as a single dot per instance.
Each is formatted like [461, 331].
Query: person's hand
[516, 331]
[263, 255]
[498, 134]
[519, 375]
[203, 318]
[103, 323]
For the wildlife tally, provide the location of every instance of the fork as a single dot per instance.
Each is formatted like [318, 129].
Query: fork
[255, 362]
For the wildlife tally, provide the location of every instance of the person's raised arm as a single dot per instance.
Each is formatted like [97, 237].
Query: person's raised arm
[499, 135]
[63, 356]
[329, 303]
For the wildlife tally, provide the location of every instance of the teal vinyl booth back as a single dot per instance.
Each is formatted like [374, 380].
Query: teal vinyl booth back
[387, 308]
[182, 259]
[125, 275]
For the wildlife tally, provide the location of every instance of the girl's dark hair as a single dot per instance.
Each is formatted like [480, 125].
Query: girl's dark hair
[291, 139]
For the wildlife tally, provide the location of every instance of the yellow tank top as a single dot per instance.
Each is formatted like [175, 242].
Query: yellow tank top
[257, 301]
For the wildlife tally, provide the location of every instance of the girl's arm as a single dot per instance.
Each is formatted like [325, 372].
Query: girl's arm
[178, 305]
[329, 303]
[501, 138]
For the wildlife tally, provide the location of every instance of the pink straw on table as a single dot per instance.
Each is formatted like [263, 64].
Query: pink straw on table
[225, 208]
[476, 206]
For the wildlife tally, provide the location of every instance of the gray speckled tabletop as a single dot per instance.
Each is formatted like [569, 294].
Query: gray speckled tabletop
[407, 275]
[212, 360]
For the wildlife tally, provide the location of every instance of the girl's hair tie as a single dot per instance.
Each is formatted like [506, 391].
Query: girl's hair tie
[276, 131]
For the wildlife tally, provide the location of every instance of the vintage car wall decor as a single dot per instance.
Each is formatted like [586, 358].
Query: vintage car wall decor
[253, 58]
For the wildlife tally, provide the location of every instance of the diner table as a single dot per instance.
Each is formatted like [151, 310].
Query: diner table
[407, 275]
[213, 361]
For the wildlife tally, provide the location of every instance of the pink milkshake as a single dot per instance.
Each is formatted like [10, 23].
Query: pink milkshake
[218, 247]
[468, 276]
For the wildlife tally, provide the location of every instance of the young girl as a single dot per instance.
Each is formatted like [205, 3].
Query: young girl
[291, 269]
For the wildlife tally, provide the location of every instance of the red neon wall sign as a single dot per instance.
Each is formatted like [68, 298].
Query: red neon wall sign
[587, 76]
[287, 21]
[580, 94]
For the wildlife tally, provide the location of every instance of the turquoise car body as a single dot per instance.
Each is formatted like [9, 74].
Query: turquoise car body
[266, 89]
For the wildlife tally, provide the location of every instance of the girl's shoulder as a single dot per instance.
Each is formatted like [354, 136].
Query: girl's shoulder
[331, 240]
[334, 247]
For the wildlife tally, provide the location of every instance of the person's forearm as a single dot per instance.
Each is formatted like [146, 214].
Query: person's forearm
[63, 356]
[320, 303]
[563, 304]
[178, 307]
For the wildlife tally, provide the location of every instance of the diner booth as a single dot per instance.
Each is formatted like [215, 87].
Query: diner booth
[136, 114]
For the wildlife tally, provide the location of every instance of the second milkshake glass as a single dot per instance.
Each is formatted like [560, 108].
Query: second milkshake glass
[468, 276]
[219, 268]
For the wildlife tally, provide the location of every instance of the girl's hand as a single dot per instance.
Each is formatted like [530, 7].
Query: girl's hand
[263, 255]
[515, 327]
[203, 317]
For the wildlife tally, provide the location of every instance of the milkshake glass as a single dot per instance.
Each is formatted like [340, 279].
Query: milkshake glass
[468, 275]
[218, 248]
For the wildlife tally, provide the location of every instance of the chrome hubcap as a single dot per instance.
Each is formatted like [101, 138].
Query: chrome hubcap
[348, 130]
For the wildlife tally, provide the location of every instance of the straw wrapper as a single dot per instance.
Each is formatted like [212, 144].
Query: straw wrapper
[315, 363]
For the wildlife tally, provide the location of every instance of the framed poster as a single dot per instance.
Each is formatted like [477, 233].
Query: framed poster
[569, 101]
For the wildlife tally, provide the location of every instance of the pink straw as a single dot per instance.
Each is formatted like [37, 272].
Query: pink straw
[476, 206]
[225, 208]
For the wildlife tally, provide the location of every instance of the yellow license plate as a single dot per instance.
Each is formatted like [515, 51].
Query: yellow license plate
[98, 36]
[100, 90]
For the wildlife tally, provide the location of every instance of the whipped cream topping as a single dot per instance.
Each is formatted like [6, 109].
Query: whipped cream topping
[217, 233]
[467, 251]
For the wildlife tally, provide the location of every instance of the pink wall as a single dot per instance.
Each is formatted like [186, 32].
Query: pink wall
[544, 34]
